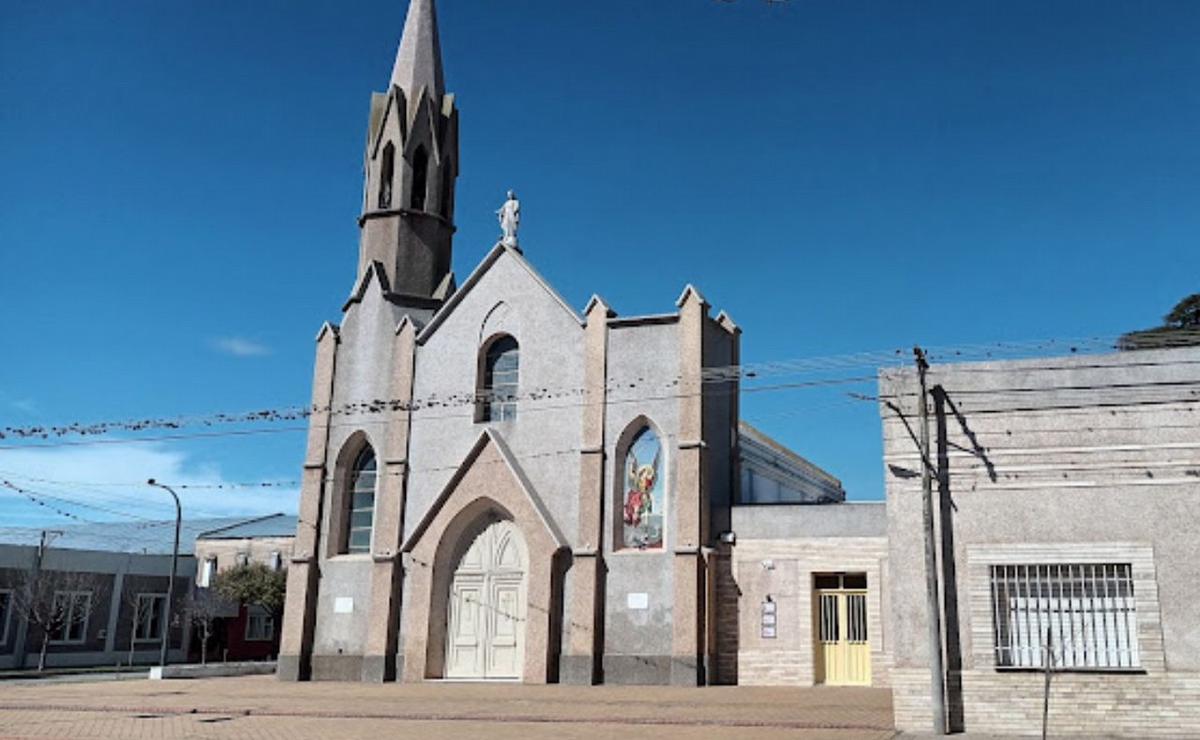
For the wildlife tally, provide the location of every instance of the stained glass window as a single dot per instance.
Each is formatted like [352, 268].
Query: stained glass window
[642, 512]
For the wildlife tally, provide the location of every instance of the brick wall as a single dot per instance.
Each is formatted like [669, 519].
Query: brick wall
[784, 569]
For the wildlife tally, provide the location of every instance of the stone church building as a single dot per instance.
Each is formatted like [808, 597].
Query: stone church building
[500, 487]
[538, 494]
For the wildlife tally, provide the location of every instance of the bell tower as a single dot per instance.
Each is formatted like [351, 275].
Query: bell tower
[410, 166]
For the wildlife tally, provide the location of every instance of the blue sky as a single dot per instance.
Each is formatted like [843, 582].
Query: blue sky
[179, 183]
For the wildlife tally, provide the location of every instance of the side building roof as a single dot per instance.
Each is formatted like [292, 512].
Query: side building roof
[756, 447]
[271, 525]
[141, 537]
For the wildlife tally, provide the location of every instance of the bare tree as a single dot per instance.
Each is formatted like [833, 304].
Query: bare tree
[132, 598]
[204, 606]
[58, 603]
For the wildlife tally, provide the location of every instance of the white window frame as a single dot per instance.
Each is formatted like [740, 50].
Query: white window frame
[253, 613]
[6, 615]
[71, 620]
[137, 617]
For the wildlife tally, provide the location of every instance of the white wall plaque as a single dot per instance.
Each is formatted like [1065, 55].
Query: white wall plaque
[637, 601]
[768, 619]
[343, 605]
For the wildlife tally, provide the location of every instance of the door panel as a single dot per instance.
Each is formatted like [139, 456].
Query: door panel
[486, 629]
[464, 657]
[502, 652]
[843, 654]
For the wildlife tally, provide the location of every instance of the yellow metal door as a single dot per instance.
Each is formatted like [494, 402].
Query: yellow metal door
[843, 655]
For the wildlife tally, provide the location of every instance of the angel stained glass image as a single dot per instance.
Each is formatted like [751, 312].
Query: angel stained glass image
[643, 507]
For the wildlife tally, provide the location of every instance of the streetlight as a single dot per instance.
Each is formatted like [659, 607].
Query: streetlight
[162, 656]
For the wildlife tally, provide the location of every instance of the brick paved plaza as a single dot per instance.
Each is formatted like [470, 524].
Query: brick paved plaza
[261, 707]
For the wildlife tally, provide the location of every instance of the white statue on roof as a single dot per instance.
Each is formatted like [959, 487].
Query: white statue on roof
[510, 220]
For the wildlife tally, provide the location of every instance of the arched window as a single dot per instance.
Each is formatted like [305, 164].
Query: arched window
[420, 179]
[498, 386]
[643, 499]
[387, 169]
[361, 502]
[447, 188]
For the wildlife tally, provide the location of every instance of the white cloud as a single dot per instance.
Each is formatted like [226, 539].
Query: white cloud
[240, 347]
[114, 477]
[27, 405]
[23, 404]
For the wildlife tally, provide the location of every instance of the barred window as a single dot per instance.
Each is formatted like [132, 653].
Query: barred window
[1084, 613]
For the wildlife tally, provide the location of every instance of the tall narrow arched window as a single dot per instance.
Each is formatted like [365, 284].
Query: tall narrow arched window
[387, 168]
[447, 188]
[643, 499]
[498, 382]
[361, 502]
[420, 179]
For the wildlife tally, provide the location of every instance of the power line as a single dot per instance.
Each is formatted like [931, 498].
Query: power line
[38, 500]
[713, 374]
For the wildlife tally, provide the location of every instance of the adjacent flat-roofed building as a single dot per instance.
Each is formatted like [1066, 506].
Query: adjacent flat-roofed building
[110, 581]
[1067, 507]
[773, 474]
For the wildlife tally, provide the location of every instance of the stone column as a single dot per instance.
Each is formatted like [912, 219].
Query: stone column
[581, 664]
[383, 618]
[300, 608]
[688, 633]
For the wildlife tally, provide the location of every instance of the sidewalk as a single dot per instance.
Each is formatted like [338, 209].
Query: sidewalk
[261, 707]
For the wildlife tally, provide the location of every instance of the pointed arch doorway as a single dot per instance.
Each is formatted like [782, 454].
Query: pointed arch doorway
[485, 630]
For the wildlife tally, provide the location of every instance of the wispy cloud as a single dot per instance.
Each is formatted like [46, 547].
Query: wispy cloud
[240, 347]
[113, 477]
[24, 405]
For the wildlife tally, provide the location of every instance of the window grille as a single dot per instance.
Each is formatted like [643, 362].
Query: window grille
[856, 617]
[1085, 611]
[830, 631]
[362, 503]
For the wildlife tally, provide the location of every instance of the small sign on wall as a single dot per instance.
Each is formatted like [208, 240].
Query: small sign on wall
[343, 605]
[637, 601]
[768, 618]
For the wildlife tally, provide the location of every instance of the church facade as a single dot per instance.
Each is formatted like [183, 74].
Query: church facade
[539, 494]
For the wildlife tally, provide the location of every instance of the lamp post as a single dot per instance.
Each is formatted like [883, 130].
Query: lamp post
[162, 656]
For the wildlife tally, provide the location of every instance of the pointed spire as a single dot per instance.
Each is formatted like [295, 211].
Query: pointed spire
[419, 59]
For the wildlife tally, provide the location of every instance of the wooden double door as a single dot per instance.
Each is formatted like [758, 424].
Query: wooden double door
[485, 635]
[843, 649]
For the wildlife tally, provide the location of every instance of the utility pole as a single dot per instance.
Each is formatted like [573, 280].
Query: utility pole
[936, 668]
[166, 636]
